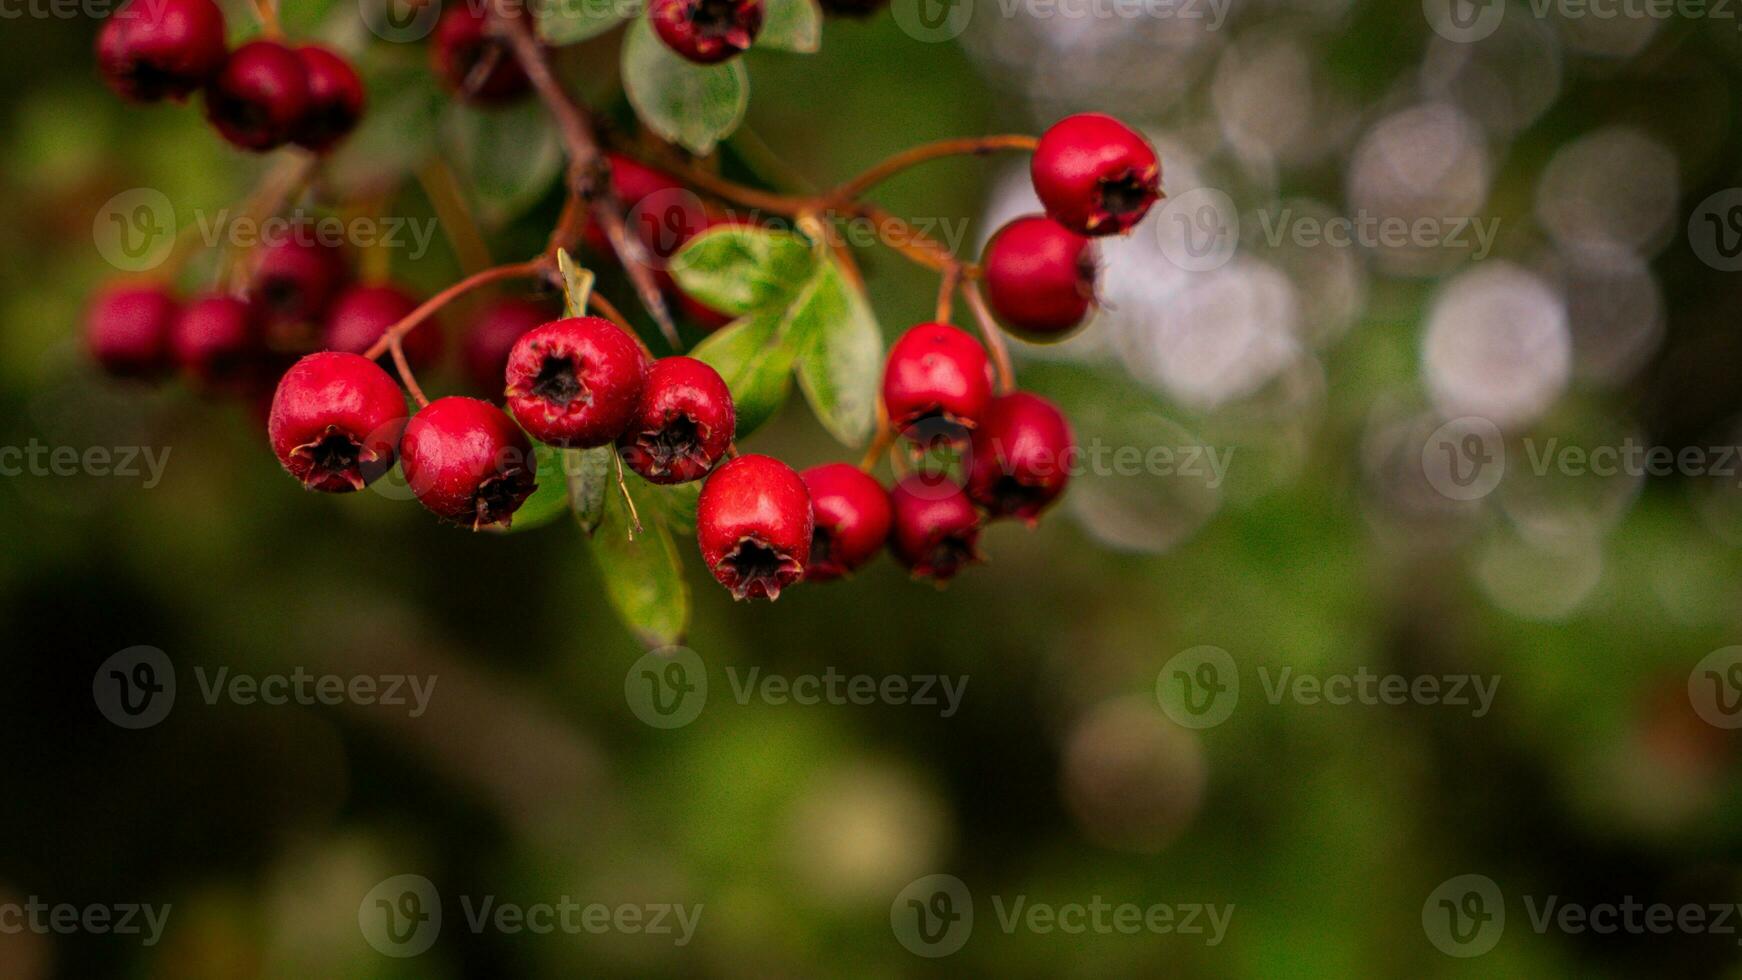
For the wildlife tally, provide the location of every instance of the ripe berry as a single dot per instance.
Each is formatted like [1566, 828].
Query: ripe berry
[632, 183]
[706, 31]
[127, 329]
[936, 530]
[470, 62]
[335, 421]
[467, 462]
[492, 336]
[683, 424]
[217, 341]
[156, 49]
[362, 313]
[1095, 175]
[575, 382]
[296, 276]
[753, 523]
[936, 383]
[1040, 277]
[259, 97]
[1022, 456]
[335, 99]
[852, 515]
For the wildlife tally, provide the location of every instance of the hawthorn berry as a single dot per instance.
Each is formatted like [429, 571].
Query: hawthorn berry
[296, 275]
[575, 382]
[1095, 174]
[361, 314]
[156, 49]
[706, 31]
[683, 424]
[1040, 277]
[851, 513]
[260, 96]
[217, 340]
[127, 329]
[335, 421]
[753, 524]
[1021, 459]
[632, 182]
[335, 99]
[935, 529]
[492, 335]
[467, 462]
[470, 62]
[936, 383]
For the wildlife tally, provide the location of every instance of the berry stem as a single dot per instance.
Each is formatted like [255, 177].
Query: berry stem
[390, 337]
[610, 312]
[993, 337]
[879, 444]
[401, 365]
[628, 501]
[854, 187]
[952, 277]
[267, 10]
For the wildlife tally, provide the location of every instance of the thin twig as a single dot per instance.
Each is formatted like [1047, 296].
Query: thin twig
[947, 292]
[853, 188]
[391, 336]
[404, 368]
[993, 337]
[628, 501]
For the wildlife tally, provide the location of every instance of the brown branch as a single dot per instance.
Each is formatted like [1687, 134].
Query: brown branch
[405, 376]
[993, 337]
[853, 188]
[391, 336]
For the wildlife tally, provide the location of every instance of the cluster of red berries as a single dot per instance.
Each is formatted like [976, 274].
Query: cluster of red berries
[259, 97]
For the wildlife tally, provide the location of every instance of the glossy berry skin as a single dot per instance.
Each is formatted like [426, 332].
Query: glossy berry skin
[576, 382]
[461, 44]
[361, 314]
[161, 49]
[1040, 277]
[467, 462]
[335, 103]
[706, 31]
[935, 529]
[753, 523]
[683, 424]
[1022, 455]
[936, 383]
[295, 276]
[486, 345]
[127, 329]
[260, 96]
[1095, 174]
[335, 421]
[852, 515]
[217, 341]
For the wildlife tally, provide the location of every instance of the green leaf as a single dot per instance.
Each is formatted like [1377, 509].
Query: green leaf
[577, 284]
[509, 156]
[588, 473]
[694, 105]
[791, 25]
[548, 502]
[839, 351]
[644, 577]
[740, 269]
[756, 362]
[568, 21]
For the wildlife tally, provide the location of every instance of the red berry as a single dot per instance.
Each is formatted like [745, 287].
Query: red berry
[753, 523]
[1095, 175]
[575, 382]
[362, 314]
[335, 99]
[259, 97]
[683, 424]
[632, 183]
[127, 329]
[706, 31]
[1022, 456]
[936, 529]
[852, 516]
[335, 421]
[217, 341]
[472, 64]
[467, 462]
[156, 49]
[296, 276]
[1040, 277]
[492, 336]
[936, 383]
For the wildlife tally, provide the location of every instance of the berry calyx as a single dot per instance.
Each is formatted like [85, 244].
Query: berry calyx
[470, 62]
[753, 524]
[1040, 277]
[157, 49]
[217, 341]
[335, 421]
[296, 276]
[127, 329]
[335, 103]
[707, 31]
[936, 383]
[575, 382]
[361, 314]
[851, 513]
[1022, 455]
[1095, 174]
[259, 97]
[935, 528]
[683, 424]
[486, 345]
[467, 462]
